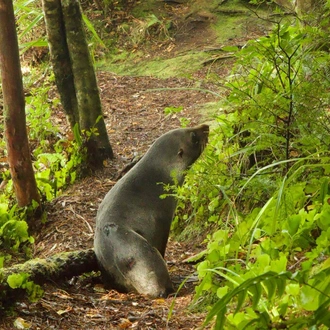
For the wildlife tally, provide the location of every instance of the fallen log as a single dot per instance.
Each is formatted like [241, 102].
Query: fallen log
[59, 266]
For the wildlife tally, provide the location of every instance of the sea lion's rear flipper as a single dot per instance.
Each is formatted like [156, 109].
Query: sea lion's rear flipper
[131, 262]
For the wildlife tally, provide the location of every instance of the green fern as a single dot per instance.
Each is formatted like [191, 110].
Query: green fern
[270, 285]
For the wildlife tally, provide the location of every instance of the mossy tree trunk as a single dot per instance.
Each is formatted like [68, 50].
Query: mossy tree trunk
[89, 103]
[75, 76]
[19, 157]
[60, 59]
[58, 267]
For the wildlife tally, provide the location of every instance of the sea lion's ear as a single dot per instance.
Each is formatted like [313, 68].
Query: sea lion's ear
[180, 153]
[194, 138]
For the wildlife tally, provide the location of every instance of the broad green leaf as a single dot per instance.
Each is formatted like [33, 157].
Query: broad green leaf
[280, 282]
[309, 298]
[322, 315]
[220, 319]
[263, 261]
[222, 291]
[230, 48]
[279, 265]
[91, 29]
[3, 208]
[17, 280]
[293, 223]
[293, 289]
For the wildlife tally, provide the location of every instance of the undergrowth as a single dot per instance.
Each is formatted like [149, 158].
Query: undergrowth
[263, 187]
[57, 159]
[57, 162]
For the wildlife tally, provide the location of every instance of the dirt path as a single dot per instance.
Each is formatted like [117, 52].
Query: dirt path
[134, 118]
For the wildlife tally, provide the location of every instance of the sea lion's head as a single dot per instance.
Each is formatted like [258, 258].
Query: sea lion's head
[193, 142]
[177, 150]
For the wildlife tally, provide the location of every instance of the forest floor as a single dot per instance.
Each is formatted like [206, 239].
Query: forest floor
[134, 118]
[134, 114]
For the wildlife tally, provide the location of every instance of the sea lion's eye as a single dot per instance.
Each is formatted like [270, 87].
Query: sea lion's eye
[180, 153]
[194, 138]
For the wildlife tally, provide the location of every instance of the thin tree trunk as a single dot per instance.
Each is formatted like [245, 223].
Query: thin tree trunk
[88, 97]
[19, 157]
[75, 76]
[60, 58]
[57, 267]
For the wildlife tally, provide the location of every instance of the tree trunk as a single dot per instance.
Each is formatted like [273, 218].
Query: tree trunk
[60, 58]
[19, 157]
[88, 98]
[78, 87]
[57, 267]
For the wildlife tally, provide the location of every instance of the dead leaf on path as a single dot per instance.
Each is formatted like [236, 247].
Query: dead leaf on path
[20, 323]
[61, 311]
[160, 301]
[62, 295]
[99, 288]
[125, 323]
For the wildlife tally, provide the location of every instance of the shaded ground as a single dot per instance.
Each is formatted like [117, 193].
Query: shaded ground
[134, 119]
[134, 115]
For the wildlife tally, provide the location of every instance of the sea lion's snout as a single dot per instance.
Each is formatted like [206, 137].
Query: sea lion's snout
[204, 131]
[205, 128]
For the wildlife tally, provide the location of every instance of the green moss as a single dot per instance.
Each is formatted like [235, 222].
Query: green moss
[234, 19]
[227, 27]
[145, 7]
[182, 65]
[227, 20]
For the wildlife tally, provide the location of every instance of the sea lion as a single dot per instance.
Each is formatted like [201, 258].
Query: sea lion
[133, 222]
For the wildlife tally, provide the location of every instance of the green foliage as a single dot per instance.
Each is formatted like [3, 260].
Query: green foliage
[147, 29]
[13, 230]
[31, 28]
[279, 290]
[38, 117]
[263, 187]
[20, 281]
[29, 17]
[274, 90]
[57, 162]
[172, 110]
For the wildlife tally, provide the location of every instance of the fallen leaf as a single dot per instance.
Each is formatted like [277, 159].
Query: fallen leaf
[61, 295]
[20, 323]
[64, 311]
[125, 323]
[99, 288]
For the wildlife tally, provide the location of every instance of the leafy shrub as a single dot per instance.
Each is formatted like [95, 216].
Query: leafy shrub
[13, 231]
[263, 187]
[21, 281]
[57, 162]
